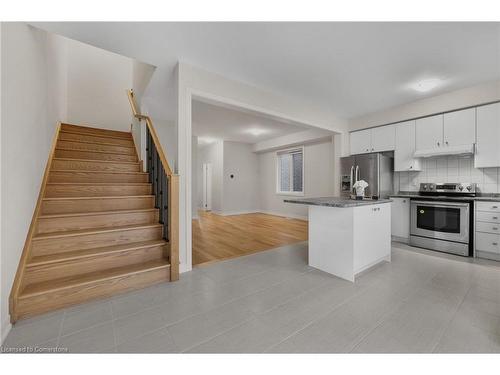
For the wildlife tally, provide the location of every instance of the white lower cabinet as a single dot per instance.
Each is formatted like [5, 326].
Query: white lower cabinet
[400, 219]
[487, 230]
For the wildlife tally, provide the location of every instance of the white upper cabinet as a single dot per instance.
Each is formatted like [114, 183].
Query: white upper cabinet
[488, 136]
[361, 142]
[377, 139]
[383, 138]
[429, 133]
[405, 147]
[460, 127]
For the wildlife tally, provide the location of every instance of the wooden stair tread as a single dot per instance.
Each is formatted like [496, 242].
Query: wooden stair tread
[80, 232]
[100, 183]
[97, 197]
[96, 134]
[99, 161]
[78, 254]
[99, 143]
[90, 278]
[93, 213]
[96, 151]
[66, 126]
[93, 171]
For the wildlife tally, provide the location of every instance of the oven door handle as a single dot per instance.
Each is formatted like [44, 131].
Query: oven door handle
[440, 204]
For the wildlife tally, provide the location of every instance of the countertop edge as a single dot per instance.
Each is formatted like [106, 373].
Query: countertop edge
[479, 199]
[340, 204]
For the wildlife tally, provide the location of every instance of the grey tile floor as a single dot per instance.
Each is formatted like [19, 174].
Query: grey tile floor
[273, 302]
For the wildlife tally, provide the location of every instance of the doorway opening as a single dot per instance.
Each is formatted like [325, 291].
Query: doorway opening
[238, 198]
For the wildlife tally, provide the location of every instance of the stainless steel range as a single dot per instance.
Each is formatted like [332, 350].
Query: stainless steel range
[441, 217]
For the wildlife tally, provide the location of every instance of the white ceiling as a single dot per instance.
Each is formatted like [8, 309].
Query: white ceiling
[211, 121]
[352, 68]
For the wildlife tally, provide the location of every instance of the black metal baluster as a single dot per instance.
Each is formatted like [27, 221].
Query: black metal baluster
[154, 172]
[165, 209]
[149, 155]
[158, 181]
[161, 192]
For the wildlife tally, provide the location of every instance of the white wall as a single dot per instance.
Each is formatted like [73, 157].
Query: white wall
[319, 179]
[470, 96]
[4, 323]
[194, 177]
[167, 133]
[97, 81]
[214, 154]
[240, 193]
[195, 82]
[31, 108]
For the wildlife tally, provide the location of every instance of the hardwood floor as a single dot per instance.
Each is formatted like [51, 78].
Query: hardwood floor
[218, 237]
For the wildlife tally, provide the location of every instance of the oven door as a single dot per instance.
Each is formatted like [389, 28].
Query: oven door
[440, 220]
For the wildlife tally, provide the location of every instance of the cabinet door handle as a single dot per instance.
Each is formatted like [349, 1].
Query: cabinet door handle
[438, 144]
[495, 228]
[446, 143]
[495, 243]
[495, 217]
[494, 207]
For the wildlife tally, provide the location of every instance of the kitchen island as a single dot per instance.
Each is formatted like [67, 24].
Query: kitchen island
[347, 236]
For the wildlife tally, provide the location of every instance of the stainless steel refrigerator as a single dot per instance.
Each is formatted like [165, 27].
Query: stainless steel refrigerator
[376, 169]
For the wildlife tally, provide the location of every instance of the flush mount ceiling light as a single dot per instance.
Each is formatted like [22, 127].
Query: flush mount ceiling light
[206, 140]
[426, 84]
[256, 131]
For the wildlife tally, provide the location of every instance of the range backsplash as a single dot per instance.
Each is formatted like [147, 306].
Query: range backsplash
[449, 169]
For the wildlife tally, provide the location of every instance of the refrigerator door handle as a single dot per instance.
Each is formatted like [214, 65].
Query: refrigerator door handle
[352, 178]
[357, 173]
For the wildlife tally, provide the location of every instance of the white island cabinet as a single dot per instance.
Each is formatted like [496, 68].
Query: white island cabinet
[346, 236]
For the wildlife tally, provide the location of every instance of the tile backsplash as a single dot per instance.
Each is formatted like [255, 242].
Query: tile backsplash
[449, 169]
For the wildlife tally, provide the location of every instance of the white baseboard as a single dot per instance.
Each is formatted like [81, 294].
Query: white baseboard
[231, 213]
[287, 215]
[183, 267]
[275, 213]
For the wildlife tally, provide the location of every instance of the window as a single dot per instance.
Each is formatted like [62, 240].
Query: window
[290, 172]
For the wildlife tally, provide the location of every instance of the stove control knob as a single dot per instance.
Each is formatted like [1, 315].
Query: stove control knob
[469, 188]
[460, 188]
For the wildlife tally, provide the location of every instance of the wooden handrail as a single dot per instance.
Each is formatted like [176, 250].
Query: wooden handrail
[173, 191]
[152, 130]
[16, 286]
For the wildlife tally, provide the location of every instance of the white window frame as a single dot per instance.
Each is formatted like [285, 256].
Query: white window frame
[278, 174]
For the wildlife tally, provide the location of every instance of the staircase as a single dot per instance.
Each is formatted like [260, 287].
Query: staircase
[95, 231]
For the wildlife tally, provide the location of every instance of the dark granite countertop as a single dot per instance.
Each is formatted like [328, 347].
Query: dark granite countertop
[340, 202]
[478, 197]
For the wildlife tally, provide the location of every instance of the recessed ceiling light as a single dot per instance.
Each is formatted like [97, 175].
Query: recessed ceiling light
[426, 84]
[256, 131]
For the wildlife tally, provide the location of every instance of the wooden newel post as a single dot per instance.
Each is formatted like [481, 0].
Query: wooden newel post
[174, 226]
